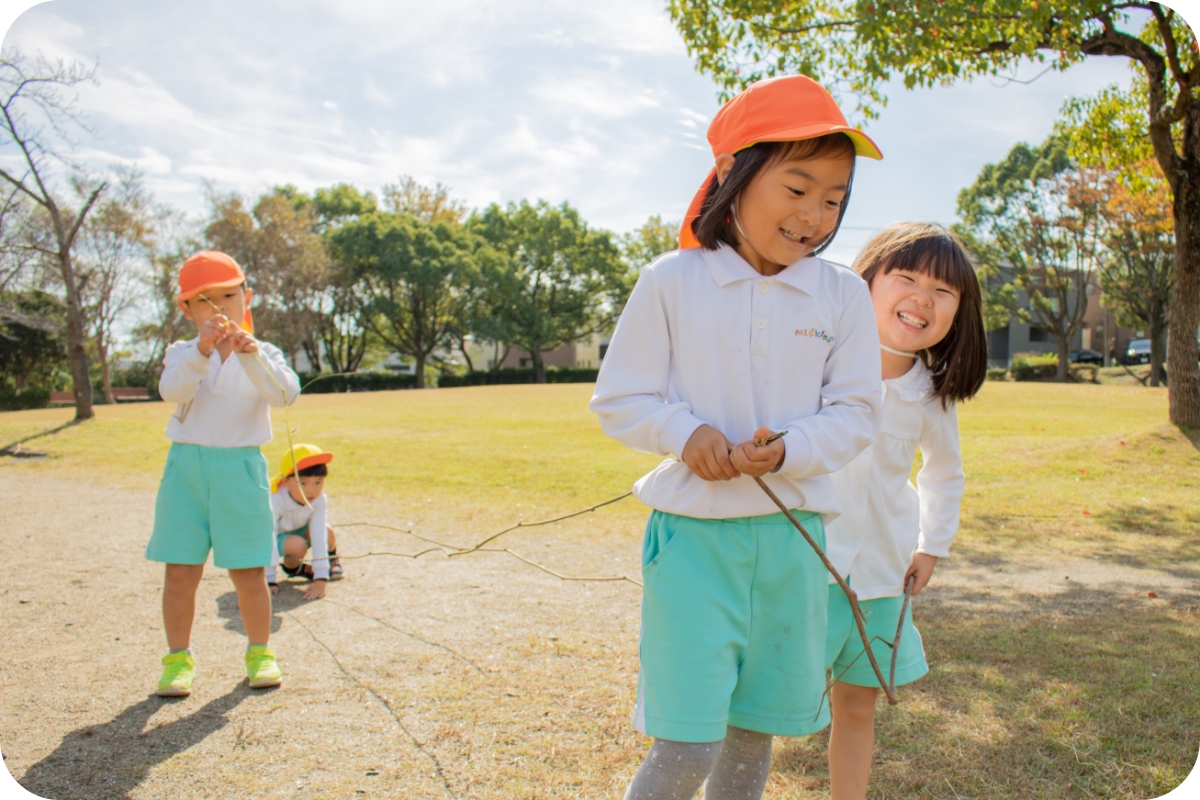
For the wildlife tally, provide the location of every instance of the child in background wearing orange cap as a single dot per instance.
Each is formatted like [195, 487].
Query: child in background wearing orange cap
[214, 493]
[741, 333]
[300, 507]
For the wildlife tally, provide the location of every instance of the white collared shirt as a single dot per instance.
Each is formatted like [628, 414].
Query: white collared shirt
[705, 339]
[224, 403]
[886, 519]
[291, 516]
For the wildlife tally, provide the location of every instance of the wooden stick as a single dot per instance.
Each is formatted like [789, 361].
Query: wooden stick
[908, 587]
[850, 595]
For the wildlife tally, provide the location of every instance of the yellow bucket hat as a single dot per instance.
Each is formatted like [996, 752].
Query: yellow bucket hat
[300, 457]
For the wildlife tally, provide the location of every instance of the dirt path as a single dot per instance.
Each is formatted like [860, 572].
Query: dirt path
[476, 677]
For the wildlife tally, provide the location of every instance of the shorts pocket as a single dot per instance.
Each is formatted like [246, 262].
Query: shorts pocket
[256, 469]
[661, 532]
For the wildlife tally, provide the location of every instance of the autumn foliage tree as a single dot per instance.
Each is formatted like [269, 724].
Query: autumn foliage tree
[855, 46]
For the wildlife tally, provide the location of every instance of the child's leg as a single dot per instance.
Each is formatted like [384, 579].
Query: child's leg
[332, 536]
[295, 548]
[742, 770]
[179, 603]
[673, 770]
[254, 601]
[851, 740]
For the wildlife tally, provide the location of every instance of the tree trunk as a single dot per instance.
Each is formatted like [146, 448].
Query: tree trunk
[76, 352]
[420, 372]
[1182, 352]
[105, 374]
[1158, 344]
[539, 365]
[1063, 371]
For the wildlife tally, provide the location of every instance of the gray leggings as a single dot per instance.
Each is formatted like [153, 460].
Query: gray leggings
[736, 768]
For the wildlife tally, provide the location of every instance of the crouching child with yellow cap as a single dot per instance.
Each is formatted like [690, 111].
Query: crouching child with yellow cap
[214, 493]
[299, 504]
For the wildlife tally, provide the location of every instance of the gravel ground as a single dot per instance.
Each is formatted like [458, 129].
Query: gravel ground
[471, 677]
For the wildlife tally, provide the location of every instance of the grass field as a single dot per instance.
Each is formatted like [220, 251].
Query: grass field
[1042, 686]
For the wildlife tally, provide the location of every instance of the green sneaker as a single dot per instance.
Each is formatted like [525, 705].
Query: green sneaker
[262, 670]
[178, 671]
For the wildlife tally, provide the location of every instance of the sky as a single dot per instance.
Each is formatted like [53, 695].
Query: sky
[593, 103]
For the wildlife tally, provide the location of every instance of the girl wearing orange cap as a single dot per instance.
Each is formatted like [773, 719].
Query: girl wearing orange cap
[213, 495]
[742, 332]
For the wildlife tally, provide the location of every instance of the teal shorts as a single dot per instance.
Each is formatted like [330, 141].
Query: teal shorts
[214, 498]
[280, 538]
[733, 627]
[844, 653]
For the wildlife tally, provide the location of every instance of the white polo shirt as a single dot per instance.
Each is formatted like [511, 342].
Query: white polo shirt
[886, 518]
[705, 339]
[224, 403]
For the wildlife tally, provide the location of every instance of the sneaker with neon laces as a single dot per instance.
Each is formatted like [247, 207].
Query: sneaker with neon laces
[178, 671]
[262, 670]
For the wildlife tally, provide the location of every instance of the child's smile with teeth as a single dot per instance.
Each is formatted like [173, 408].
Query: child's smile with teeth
[913, 310]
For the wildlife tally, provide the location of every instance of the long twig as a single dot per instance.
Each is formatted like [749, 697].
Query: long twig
[908, 587]
[850, 594]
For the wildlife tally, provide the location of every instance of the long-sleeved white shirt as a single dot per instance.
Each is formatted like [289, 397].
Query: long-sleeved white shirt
[224, 403]
[291, 516]
[886, 519]
[705, 339]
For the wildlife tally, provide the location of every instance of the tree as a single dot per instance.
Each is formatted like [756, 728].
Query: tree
[112, 249]
[856, 45]
[343, 326]
[31, 346]
[426, 203]
[412, 272]
[1036, 216]
[554, 280]
[278, 245]
[1137, 275]
[35, 87]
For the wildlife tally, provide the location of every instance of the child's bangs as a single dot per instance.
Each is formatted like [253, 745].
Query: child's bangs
[939, 257]
[833, 145]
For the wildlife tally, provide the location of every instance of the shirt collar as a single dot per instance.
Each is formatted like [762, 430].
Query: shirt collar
[728, 267]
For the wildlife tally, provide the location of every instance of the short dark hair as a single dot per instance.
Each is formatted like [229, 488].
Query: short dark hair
[315, 471]
[714, 226]
[958, 362]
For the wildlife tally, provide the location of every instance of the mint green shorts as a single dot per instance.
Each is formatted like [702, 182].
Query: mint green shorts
[733, 627]
[844, 652]
[281, 538]
[213, 498]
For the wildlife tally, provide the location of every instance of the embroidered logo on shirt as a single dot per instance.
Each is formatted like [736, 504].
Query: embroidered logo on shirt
[814, 334]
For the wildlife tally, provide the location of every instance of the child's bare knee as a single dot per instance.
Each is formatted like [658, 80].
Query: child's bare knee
[854, 703]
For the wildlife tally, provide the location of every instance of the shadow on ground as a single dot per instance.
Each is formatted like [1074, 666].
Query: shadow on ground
[290, 597]
[108, 761]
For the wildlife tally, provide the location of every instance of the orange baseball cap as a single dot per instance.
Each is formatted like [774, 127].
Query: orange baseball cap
[785, 109]
[210, 269]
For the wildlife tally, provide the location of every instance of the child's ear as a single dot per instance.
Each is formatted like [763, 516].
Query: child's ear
[186, 307]
[724, 167]
[249, 294]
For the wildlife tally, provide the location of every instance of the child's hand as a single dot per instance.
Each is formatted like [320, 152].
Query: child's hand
[274, 587]
[750, 459]
[315, 590]
[707, 454]
[243, 342]
[213, 331]
[921, 567]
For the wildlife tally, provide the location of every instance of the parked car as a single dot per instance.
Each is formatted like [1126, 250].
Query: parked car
[1085, 357]
[1138, 352]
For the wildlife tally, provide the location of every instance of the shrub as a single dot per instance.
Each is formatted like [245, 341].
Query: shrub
[23, 399]
[358, 382]
[997, 374]
[1034, 366]
[519, 375]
